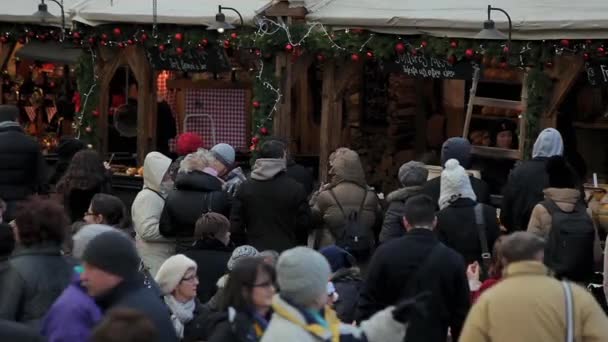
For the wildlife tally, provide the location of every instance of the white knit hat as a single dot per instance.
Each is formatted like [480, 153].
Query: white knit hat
[455, 184]
[172, 271]
[302, 274]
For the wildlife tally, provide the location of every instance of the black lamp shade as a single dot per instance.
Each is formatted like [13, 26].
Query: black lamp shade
[490, 32]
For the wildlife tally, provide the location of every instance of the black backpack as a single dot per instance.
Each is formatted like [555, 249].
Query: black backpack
[569, 249]
[355, 238]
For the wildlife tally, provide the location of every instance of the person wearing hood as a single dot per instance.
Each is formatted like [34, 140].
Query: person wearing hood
[74, 305]
[459, 149]
[224, 163]
[412, 176]
[346, 193]
[146, 212]
[301, 312]
[296, 171]
[346, 279]
[65, 152]
[22, 167]
[270, 209]
[528, 180]
[457, 225]
[198, 190]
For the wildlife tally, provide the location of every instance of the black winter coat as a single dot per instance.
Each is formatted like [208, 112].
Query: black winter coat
[196, 329]
[12, 331]
[457, 229]
[301, 175]
[213, 257]
[432, 188]
[348, 283]
[389, 280]
[195, 193]
[222, 330]
[392, 226]
[22, 168]
[33, 279]
[269, 213]
[133, 294]
[523, 191]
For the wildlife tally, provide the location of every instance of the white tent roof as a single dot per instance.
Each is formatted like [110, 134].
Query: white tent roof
[532, 20]
[20, 11]
[182, 12]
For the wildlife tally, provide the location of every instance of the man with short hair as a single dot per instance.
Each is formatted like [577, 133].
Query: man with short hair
[22, 167]
[270, 209]
[529, 305]
[415, 263]
[111, 276]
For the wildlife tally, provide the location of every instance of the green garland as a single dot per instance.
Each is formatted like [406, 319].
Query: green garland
[263, 105]
[539, 85]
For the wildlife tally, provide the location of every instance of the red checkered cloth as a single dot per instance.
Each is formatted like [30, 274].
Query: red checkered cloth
[31, 112]
[226, 107]
[50, 113]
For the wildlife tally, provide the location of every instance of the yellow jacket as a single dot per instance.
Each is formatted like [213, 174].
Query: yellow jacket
[529, 306]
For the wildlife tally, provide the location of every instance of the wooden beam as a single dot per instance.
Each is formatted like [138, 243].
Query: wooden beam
[568, 69]
[329, 119]
[282, 121]
[453, 105]
[420, 120]
[207, 84]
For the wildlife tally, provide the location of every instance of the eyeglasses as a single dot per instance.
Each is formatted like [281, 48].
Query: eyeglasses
[88, 213]
[190, 278]
[264, 284]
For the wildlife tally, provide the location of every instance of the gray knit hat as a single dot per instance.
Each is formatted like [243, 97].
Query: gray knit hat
[413, 173]
[224, 153]
[113, 252]
[85, 235]
[241, 252]
[302, 274]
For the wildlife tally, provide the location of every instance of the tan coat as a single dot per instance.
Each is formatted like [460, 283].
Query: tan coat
[566, 199]
[348, 184]
[527, 305]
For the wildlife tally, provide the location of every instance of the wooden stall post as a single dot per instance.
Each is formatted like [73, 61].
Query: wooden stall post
[329, 119]
[282, 119]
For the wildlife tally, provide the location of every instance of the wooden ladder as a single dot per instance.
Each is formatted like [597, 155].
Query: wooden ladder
[520, 106]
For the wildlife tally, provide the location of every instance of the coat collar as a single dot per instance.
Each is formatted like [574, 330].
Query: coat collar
[299, 317]
[525, 268]
[114, 295]
[213, 244]
[47, 249]
[403, 193]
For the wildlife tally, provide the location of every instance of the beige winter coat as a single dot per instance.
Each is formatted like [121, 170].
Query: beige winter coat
[566, 199]
[529, 305]
[146, 210]
[349, 186]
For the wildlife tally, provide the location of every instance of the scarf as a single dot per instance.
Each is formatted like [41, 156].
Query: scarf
[260, 323]
[181, 313]
[316, 329]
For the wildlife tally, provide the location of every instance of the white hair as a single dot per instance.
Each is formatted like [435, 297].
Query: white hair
[196, 161]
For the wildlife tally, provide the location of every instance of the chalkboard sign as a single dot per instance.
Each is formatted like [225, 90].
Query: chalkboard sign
[429, 67]
[597, 72]
[192, 60]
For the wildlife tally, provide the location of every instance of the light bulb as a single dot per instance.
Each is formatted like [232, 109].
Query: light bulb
[220, 30]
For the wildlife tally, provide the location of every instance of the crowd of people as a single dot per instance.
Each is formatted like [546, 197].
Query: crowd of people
[208, 253]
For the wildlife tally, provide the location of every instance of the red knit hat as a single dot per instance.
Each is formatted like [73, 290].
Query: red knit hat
[188, 143]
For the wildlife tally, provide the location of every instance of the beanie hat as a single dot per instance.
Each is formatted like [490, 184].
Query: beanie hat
[337, 257]
[172, 271]
[302, 274]
[113, 252]
[413, 173]
[8, 113]
[85, 235]
[224, 153]
[455, 184]
[188, 143]
[241, 252]
[560, 173]
[456, 148]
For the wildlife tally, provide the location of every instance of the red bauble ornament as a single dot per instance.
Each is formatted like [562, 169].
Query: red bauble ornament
[117, 31]
[256, 104]
[162, 48]
[3, 39]
[143, 37]
[451, 59]
[288, 47]
[234, 35]
[320, 57]
[91, 40]
[601, 50]
[121, 45]
[505, 49]
[565, 42]
[424, 43]
[469, 53]
[104, 36]
[453, 44]
[130, 42]
[76, 35]
[264, 131]
[369, 55]
[255, 140]
[32, 34]
[88, 129]
[226, 44]
[252, 148]
[355, 57]
[104, 43]
[52, 84]
[179, 37]
[179, 50]
[204, 42]
[586, 56]
[95, 113]
[258, 53]
[400, 48]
